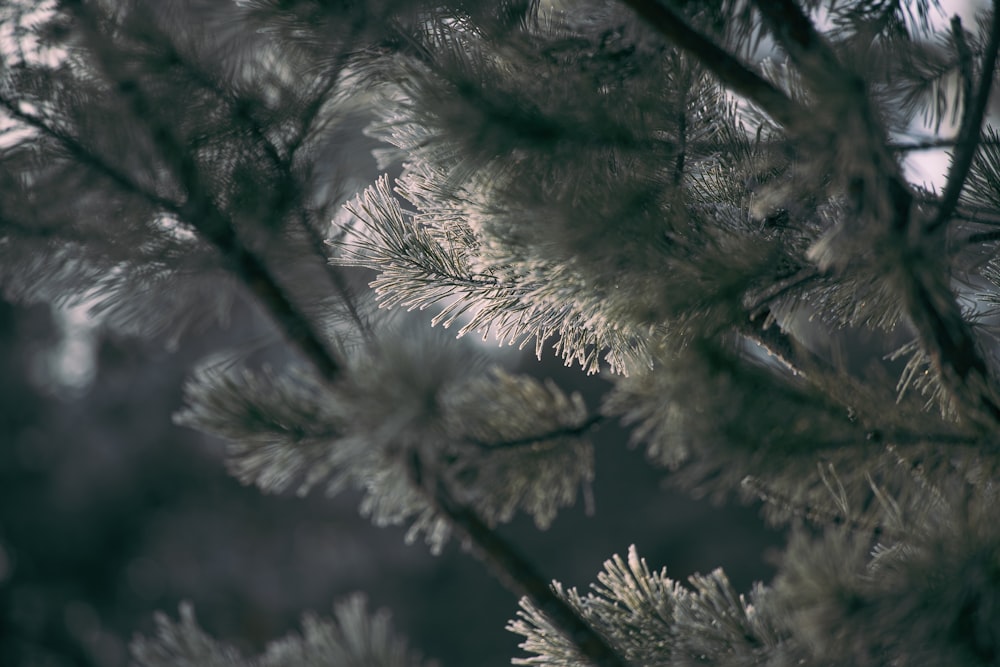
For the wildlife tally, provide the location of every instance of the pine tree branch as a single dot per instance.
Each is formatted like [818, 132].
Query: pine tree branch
[796, 33]
[931, 306]
[816, 514]
[86, 157]
[928, 299]
[964, 66]
[288, 192]
[201, 215]
[199, 211]
[727, 68]
[318, 245]
[968, 134]
[761, 301]
[985, 215]
[823, 73]
[515, 572]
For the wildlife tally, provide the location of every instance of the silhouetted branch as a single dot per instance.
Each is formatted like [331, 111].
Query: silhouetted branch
[968, 134]
[798, 36]
[732, 73]
[928, 299]
[200, 213]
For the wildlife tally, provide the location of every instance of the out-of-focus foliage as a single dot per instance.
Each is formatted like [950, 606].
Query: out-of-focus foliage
[409, 410]
[352, 637]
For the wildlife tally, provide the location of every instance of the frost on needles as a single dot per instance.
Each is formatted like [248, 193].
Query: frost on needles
[411, 406]
[630, 185]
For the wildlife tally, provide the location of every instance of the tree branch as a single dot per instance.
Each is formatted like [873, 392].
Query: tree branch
[932, 143]
[815, 513]
[199, 212]
[516, 573]
[968, 134]
[512, 569]
[288, 192]
[924, 289]
[798, 36]
[931, 305]
[568, 432]
[732, 73]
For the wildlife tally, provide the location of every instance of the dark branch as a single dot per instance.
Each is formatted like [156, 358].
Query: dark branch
[798, 36]
[951, 345]
[86, 157]
[964, 65]
[512, 569]
[761, 301]
[516, 573]
[968, 134]
[288, 192]
[199, 212]
[568, 432]
[922, 284]
[982, 237]
[932, 144]
[732, 73]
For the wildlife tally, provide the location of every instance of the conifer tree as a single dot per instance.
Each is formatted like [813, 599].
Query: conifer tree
[626, 184]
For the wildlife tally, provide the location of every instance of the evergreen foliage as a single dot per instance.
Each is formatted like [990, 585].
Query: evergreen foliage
[353, 637]
[626, 184]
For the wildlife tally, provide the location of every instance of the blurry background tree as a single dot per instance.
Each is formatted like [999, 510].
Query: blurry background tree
[625, 185]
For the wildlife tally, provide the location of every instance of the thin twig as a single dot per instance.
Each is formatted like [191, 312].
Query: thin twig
[288, 192]
[968, 134]
[779, 289]
[933, 144]
[86, 157]
[318, 245]
[985, 215]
